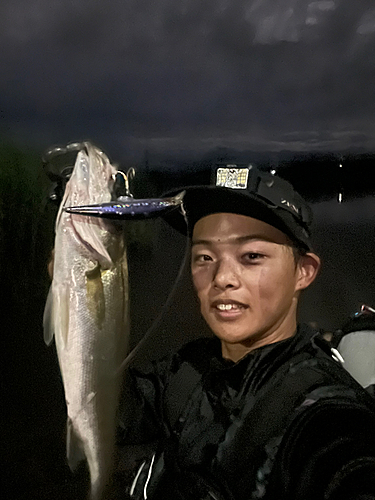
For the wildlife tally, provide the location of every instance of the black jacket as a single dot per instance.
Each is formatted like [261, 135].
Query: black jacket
[285, 422]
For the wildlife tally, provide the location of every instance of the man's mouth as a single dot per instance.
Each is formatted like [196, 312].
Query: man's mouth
[227, 305]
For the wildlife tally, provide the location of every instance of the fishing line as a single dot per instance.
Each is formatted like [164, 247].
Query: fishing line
[129, 358]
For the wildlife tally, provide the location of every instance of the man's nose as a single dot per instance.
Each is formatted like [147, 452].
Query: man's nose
[226, 275]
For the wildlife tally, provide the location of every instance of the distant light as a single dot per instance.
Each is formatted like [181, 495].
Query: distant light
[340, 165]
[273, 172]
[340, 198]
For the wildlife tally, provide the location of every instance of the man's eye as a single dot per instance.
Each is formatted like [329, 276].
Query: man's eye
[252, 257]
[206, 258]
[202, 258]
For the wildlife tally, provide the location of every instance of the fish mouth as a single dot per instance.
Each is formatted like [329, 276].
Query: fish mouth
[228, 305]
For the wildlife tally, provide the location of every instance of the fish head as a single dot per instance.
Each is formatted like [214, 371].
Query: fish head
[91, 182]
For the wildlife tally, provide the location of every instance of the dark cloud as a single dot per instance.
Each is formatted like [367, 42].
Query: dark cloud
[248, 74]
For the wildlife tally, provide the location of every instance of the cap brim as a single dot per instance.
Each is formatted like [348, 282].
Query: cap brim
[200, 201]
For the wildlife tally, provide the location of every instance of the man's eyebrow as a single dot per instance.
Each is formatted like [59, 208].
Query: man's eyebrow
[201, 242]
[236, 239]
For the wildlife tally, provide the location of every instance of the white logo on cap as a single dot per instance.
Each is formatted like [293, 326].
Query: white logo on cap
[230, 177]
[290, 205]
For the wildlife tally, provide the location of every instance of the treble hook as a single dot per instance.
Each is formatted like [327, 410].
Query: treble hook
[122, 188]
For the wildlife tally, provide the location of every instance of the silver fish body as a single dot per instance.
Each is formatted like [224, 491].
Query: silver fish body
[87, 311]
[130, 208]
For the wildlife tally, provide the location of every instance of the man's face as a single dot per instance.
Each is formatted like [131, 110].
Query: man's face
[246, 280]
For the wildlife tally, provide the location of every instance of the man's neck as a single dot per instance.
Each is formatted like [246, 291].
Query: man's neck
[237, 351]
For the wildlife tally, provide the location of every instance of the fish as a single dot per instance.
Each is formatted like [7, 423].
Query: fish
[127, 207]
[87, 313]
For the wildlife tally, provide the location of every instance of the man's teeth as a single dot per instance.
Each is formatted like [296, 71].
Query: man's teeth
[227, 307]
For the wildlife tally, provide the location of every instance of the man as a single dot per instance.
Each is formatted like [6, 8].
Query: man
[263, 409]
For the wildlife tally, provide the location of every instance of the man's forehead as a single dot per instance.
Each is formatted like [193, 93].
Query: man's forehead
[234, 228]
[233, 240]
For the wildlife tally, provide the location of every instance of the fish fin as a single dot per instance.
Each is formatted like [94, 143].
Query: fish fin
[61, 311]
[91, 235]
[74, 447]
[95, 295]
[48, 319]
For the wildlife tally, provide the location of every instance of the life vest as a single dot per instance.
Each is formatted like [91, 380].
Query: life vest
[246, 460]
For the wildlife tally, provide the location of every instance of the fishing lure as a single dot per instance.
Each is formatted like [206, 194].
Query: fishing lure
[127, 207]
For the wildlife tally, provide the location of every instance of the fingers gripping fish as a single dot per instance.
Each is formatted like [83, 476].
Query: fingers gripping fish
[87, 311]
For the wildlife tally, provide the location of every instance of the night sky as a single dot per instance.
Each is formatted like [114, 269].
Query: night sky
[189, 75]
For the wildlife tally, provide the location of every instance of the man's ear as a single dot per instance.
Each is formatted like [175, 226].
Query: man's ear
[307, 268]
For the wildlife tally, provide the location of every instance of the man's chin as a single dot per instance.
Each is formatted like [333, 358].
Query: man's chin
[237, 337]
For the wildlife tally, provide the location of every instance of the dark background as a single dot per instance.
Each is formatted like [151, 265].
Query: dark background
[172, 88]
[33, 416]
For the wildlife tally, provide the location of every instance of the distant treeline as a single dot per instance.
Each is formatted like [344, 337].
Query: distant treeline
[317, 176]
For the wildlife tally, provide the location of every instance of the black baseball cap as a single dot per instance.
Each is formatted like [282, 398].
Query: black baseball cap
[245, 190]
